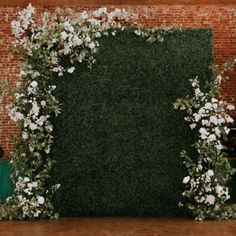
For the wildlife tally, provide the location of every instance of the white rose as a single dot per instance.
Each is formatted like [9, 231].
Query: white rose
[210, 173]
[217, 131]
[77, 41]
[203, 131]
[41, 120]
[213, 100]
[34, 84]
[214, 120]
[186, 179]
[64, 35]
[40, 200]
[25, 135]
[43, 103]
[192, 126]
[26, 180]
[33, 126]
[19, 116]
[87, 39]
[35, 109]
[219, 189]
[212, 138]
[208, 106]
[98, 34]
[230, 107]
[197, 117]
[219, 146]
[71, 70]
[229, 119]
[92, 45]
[210, 199]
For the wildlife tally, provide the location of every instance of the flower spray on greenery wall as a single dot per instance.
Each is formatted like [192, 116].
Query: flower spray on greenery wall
[206, 188]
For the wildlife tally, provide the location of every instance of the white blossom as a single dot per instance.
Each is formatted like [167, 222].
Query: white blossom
[229, 119]
[186, 179]
[92, 45]
[210, 173]
[210, 199]
[64, 35]
[25, 135]
[43, 103]
[214, 120]
[71, 70]
[40, 200]
[193, 125]
[211, 138]
[230, 107]
[208, 106]
[33, 126]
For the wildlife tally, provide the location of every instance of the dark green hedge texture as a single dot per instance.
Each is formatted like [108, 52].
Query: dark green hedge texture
[118, 139]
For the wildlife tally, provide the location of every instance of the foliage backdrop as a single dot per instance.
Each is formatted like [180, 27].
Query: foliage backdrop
[118, 139]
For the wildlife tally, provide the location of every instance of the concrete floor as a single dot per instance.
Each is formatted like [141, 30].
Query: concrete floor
[118, 227]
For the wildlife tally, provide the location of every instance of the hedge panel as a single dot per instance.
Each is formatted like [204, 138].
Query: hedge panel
[118, 139]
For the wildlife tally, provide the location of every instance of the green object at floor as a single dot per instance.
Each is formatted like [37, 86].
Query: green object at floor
[6, 187]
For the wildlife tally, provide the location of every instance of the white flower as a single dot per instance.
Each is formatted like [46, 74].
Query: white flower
[26, 179]
[25, 135]
[219, 190]
[35, 109]
[186, 179]
[193, 125]
[221, 121]
[33, 126]
[210, 172]
[213, 100]
[217, 131]
[198, 93]
[40, 200]
[34, 84]
[64, 35]
[211, 138]
[229, 119]
[71, 70]
[230, 107]
[197, 117]
[219, 78]
[77, 41]
[41, 120]
[203, 131]
[208, 106]
[92, 45]
[43, 103]
[214, 120]
[98, 35]
[210, 199]
[226, 130]
[19, 116]
[87, 39]
[219, 146]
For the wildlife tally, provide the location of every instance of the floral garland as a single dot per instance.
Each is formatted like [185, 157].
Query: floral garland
[42, 44]
[206, 184]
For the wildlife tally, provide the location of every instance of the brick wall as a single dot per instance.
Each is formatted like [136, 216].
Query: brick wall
[221, 18]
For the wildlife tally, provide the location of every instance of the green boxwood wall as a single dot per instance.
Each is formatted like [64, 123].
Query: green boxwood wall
[118, 139]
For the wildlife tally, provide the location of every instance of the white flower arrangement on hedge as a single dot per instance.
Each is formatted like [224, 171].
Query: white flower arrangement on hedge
[41, 43]
[206, 183]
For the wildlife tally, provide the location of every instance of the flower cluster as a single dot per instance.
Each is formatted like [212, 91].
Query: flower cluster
[206, 184]
[154, 34]
[42, 44]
